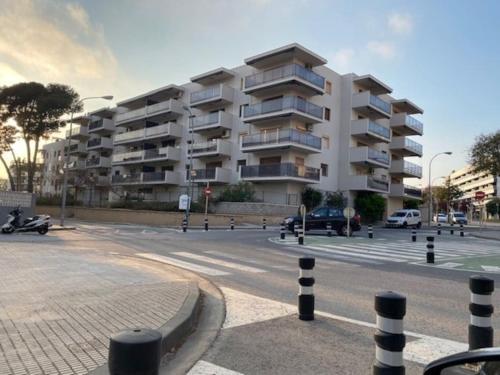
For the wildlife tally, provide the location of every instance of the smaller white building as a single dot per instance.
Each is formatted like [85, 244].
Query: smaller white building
[52, 172]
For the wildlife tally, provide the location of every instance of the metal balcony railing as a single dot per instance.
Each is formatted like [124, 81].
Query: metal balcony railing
[285, 71]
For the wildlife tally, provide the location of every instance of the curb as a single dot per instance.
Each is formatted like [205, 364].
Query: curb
[59, 228]
[484, 237]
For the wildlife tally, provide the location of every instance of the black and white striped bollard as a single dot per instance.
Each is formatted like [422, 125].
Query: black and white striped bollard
[461, 230]
[306, 294]
[370, 231]
[414, 235]
[296, 230]
[184, 225]
[206, 224]
[264, 223]
[301, 236]
[439, 229]
[481, 309]
[430, 249]
[282, 231]
[452, 231]
[389, 337]
[329, 229]
[231, 223]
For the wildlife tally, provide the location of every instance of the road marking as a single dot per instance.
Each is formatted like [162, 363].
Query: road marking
[235, 257]
[219, 262]
[326, 255]
[331, 249]
[449, 265]
[182, 264]
[145, 231]
[207, 368]
[491, 268]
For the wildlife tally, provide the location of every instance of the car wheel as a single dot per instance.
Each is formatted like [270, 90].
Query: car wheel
[343, 231]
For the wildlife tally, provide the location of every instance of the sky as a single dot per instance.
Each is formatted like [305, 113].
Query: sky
[443, 55]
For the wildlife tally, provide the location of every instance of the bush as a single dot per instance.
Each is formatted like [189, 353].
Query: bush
[335, 200]
[492, 205]
[411, 204]
[156, 206]
[311, 198]
[56, 200]
[370, 206]
[242, 192]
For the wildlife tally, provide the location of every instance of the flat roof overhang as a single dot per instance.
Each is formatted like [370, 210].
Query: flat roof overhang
[213, 76]
[407, 106]
[158, 95]
[376, 86]
[284, 53]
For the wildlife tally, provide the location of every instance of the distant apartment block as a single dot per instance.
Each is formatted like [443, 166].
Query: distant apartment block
[282, 121]
[470, 182]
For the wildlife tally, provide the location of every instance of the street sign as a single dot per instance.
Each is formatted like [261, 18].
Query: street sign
[480, 195]
[207, 191]
[302, 210]
[183, 202]
[349, 212]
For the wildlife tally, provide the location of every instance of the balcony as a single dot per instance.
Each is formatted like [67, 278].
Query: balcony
[76, 165]
[370, 132]
[405, 191]
[367, 156]
[149, 156]
[403, 146]
[168, 110]
[281, 139]
[212, 121]
[216, 175]
[288, 106]
[217, 147]
[96, 163]
[371, 106]
[214, 95]
[367, 183]
[285, 76]
[147, 178]
[79, 149]
[102, 126]
[78, 132]
[102, 143]
[403, 124]
[168, 130]
[102, 181]
[403, 168]
[279, 172]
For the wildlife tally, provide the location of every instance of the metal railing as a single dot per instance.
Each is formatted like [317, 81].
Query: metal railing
[205, 94]
[378, 156]
[379, 129]
[282, 136]
[280, 170]
[377, 183]
[202, 174]
[283, 72]
[380, 104]
[281, 104]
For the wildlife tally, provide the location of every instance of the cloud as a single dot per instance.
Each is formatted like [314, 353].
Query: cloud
[9, 76]
[79, 15]
[400, 23]
[343, 58]
[383, 49]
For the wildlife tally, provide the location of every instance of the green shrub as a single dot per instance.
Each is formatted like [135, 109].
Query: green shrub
[335, 200]
[411, 204]
[242, 192]
[370, 206]
[492, 206]
[55, 200]
[311, 198]
[156, 206]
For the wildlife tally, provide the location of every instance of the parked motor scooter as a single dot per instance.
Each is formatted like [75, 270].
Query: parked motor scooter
[39, 223]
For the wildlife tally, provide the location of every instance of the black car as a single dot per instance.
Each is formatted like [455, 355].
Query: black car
[320, 217]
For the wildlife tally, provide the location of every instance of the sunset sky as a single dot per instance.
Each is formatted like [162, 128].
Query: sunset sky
[443, 55]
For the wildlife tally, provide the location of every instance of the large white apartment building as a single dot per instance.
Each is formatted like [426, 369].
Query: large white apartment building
[282, 121]
[470, 182]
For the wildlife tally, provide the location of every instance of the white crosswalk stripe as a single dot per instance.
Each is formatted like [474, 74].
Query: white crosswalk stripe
[220, 262]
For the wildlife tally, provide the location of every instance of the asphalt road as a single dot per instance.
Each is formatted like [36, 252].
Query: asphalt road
[255, 269]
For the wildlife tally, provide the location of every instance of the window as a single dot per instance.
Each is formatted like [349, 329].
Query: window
[327, 114]
[321, 212]
[325, 142]
[308, 66]
[242, 109]
[324, 170]
[240, 164]
[328, 87]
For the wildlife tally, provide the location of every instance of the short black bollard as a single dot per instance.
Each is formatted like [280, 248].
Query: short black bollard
[264, 223]
[430, 249]
[439, 229]
[296, 230]
[133, 352]
[329, 229]
[414, 235]
[389, 338]
[301, 236]
[370, 231]
[481, 309]
[282, 231]
[231, 223]
[306, 294]
[461, 230]
[184, 225]
[206, 224]
[452, 231]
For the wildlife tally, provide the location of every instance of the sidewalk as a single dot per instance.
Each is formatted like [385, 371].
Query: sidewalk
[63, 298]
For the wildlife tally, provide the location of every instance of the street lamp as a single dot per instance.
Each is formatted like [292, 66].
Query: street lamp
[65, 180]
[430, 183]
[190, 177]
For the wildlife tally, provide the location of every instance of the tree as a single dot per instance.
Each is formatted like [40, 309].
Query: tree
[242, 192]
[8, 135]
[447, 193]
[335, 200]
[370, 206]
[493, 206]
[311, 198]
[411, 204]
[484, 156]
[37, 111]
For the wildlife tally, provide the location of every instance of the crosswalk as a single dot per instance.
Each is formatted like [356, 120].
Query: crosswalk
[399, 251]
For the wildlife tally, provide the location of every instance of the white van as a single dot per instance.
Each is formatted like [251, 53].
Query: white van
[404, 218]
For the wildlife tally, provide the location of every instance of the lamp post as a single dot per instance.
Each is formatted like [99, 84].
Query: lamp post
[430, 183]
[68, 143]
[190, 177]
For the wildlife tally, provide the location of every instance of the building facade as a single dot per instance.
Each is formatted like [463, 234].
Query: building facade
[282, 121]
[470, 182]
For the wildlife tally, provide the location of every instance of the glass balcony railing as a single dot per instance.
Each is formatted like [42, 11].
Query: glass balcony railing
[126, 179]
[379, 130]
[200, 148]
[380, 104]
[93, 162]
[210, 119]
[280, 170]
[282, 104]
[378, 156]
[202, 174]
[94, 142]
[96, 124]
[291, 70]
[153, 176]
[208, 93]
[413, 169]
[414, 146]
[282, 136]
[377, 183]
[413, 123]
[413, 191]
